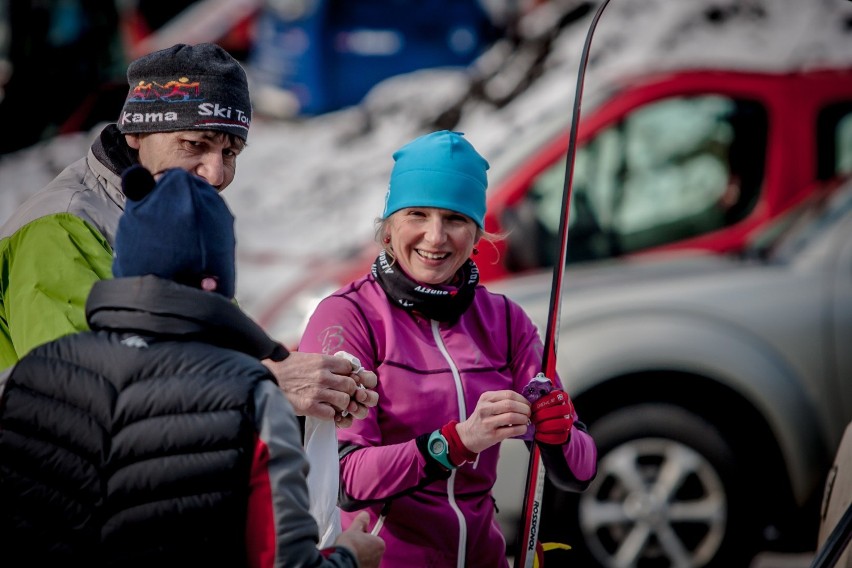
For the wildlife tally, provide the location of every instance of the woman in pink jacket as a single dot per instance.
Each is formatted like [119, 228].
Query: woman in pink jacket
[452, 359]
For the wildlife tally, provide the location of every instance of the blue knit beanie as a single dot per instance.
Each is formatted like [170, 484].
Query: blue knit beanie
[178, 228]
[442, 170]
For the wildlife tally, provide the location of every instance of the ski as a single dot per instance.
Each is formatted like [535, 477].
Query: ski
[531, 515]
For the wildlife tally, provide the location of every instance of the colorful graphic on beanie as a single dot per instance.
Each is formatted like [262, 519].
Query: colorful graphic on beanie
[186, 87]
[181, 90]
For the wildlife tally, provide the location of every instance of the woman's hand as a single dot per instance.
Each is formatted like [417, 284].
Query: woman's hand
[498, 415]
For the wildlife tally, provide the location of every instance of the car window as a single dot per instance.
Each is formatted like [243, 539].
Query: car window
[834, 141]
[670, 170]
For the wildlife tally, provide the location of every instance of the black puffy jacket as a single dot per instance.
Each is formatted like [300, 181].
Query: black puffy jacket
[132, 444]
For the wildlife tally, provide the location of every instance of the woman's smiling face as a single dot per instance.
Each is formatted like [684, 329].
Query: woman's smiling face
[431, 244]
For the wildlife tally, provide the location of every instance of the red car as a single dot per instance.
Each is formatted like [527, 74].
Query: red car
[688, 160]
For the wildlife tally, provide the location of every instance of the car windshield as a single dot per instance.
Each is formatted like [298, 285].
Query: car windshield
[799, 227]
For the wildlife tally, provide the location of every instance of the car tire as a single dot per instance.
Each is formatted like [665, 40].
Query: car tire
[667, 493]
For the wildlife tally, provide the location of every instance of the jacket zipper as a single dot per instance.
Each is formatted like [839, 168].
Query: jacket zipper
[451, 482]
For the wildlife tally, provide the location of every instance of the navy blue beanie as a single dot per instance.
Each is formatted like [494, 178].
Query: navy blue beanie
[178, 228]
[442, 170]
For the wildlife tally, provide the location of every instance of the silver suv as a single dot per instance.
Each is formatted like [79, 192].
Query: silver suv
[716, 387]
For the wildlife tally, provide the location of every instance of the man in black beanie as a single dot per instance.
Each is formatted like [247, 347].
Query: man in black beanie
[187, 107]
[158, 438]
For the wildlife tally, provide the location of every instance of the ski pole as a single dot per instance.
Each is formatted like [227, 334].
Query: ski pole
[530, 519]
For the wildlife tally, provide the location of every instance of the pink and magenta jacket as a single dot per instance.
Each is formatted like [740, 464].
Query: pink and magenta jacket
[428, 374]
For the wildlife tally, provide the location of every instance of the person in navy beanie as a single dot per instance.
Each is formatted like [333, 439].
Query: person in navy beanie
[183, 231]
[188, 107]
[159, 438]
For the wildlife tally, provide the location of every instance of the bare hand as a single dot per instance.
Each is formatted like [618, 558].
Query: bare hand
[498, 415]
[368, 548]
[323, 386]
[364, 398]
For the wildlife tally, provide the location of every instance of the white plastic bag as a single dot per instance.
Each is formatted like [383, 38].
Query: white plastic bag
[324, 475]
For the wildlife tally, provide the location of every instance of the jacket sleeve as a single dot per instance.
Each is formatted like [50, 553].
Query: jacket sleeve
[573, 465]
[378, 474]
[48, 269]
[280, 530]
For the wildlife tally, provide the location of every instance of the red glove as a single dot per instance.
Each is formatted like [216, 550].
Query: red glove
[553, 417]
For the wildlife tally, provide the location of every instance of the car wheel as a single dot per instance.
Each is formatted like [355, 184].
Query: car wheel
[667, 493]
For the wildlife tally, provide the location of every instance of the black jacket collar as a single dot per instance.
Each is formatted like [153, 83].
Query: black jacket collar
[156, 308]
[111, 149]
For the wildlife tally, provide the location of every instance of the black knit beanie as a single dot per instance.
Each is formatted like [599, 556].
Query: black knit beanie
[187, 87]
[179, 228]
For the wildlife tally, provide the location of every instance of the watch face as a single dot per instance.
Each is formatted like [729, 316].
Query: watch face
[437, 446]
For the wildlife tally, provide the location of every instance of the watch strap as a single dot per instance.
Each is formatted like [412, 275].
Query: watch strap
[439, 449]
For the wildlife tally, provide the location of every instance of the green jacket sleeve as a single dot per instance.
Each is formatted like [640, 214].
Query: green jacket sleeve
[47, 269]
